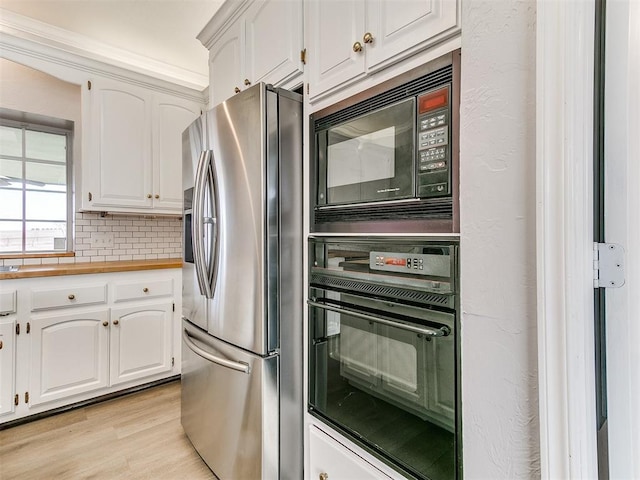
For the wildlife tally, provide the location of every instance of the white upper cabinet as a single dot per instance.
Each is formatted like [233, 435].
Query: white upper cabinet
[171, 119]
[251, 42]
[117, 162]
[334, 31]
[273, 41]
[348, 40]
[225, 67]
[132, 148]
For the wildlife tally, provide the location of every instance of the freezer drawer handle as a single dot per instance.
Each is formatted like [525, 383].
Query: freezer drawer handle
[443, 331]
[240, 366]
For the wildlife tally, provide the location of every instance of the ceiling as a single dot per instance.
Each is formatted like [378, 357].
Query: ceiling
[162, 30]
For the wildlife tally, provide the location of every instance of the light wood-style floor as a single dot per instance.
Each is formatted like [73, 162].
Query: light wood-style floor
[138, 436]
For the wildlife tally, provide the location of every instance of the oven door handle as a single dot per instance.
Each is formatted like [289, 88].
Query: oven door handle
[443, 331]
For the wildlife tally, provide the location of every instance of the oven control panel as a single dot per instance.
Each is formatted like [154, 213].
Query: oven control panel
[413, 263]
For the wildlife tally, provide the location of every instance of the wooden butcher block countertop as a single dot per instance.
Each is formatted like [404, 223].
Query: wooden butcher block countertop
[52, 270]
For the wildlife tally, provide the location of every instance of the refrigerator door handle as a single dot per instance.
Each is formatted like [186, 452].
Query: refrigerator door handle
[212, 222]
[198, 224]
[239, 366]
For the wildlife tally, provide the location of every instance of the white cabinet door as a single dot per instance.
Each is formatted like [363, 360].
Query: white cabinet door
[335, 461]
[69, 354]
[348, 40]
[273, 41]
[401, 27]
[117, 169]
[7, 366]
[226, 65]
[333, 29]
[140, 341]
[171, 117]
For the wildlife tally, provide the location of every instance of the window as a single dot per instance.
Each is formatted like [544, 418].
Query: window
[35, 194]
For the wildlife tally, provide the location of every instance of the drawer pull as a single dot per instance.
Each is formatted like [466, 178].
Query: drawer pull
[116, 322]
[323, 476]
[105, 324]
[145, 290]
[71, 296]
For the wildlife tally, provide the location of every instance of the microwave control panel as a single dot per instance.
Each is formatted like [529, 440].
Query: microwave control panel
[434, 150]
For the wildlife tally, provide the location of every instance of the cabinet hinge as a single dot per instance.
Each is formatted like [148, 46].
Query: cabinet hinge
[16, 399]
[17, 329]
[26, 397]
[608, 265]
[173, 361]
[303, 56]
[90, 196]
[28, 327]
[89, 84]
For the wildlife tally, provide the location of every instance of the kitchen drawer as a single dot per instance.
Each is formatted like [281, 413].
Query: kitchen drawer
[7, 302]
[124, 291]
[68, 297]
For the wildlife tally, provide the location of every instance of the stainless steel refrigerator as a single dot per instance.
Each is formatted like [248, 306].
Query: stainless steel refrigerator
[242, 286]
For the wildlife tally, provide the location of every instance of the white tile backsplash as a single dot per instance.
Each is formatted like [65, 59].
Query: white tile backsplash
[134, 238]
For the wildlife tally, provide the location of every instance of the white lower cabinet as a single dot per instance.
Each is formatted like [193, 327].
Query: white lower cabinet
[69, 354]
[77, 337]
[331, 460]
[7, 366]
[140, 343]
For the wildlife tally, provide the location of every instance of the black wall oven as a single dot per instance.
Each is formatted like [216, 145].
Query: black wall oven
[386, 160]
[383, 348]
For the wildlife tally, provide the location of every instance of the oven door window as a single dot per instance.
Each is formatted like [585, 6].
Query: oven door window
[391, 389]
[369, 158]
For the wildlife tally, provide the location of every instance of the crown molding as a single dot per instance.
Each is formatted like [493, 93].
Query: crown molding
[66, 42]
[226, 15]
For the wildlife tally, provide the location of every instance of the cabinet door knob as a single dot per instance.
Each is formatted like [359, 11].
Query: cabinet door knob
[149, 195]
[368, 38]
[157, 196]
[116, 322]
[145, 289]
[71, 296]
[247, 82]
[1, 344]
[323, 476]
[357, 47]
[105, 324]
[237, 90]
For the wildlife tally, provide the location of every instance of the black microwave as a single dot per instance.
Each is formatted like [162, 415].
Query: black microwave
[386, 160]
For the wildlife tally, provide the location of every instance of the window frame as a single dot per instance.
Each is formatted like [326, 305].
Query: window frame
[44, 124]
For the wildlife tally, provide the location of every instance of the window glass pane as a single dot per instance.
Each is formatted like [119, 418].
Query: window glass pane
[49, 177]
[10, 204]
[10, 173]
[10, 237]
[43, 235]
[46, 206]
[46, 146]
[10, 141]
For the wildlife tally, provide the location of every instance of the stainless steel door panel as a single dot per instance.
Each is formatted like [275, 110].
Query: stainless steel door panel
[230, 416]
[237, 137]
[193, 303]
